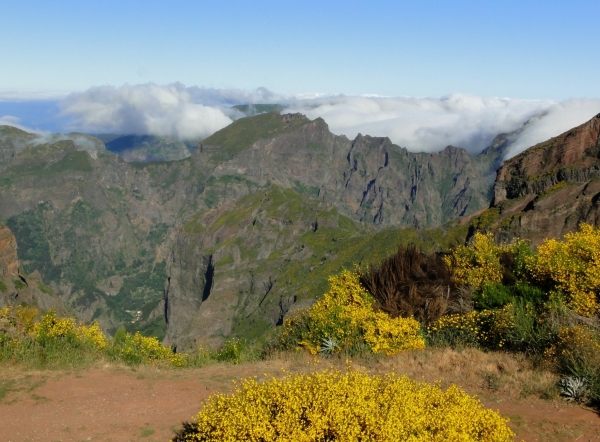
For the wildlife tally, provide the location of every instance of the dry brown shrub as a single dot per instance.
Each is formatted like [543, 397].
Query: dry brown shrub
[413, 283]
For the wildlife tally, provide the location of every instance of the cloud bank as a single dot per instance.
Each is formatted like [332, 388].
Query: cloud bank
[172, 110]
[419, 124]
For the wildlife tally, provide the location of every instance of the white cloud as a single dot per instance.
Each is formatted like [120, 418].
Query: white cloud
[558, 119]
[419, 124]
[9, 120]
[144, 109]
[425, 124]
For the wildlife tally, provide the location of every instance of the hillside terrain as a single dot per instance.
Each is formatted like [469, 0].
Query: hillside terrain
[147, 148]
[16, 287]
[236, 239]
[228, 240]
[547, 190]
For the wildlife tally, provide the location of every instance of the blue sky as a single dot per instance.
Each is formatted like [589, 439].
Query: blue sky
[174, 68]
[521, 49]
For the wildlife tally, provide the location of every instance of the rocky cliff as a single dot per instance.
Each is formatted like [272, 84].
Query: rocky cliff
[547, 190]
[17, 288]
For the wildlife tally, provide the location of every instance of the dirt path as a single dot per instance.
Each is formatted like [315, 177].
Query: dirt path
[121, 404]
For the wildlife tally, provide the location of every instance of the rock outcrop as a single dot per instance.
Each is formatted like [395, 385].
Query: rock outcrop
[548, 189]
[16, 288]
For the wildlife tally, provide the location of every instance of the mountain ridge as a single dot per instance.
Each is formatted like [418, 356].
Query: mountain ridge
[105, 229]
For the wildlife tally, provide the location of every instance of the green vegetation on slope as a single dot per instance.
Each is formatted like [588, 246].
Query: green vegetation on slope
[75, 161]
[76, 231]
[308, 241]
[240, 134]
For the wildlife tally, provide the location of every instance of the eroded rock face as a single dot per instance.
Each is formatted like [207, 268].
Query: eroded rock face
[227, 276]
[571, 157]
[548, 189]
[16, 288]
[9, 263]
[368, 178]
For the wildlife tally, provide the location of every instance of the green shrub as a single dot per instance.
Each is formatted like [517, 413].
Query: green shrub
[54, 342]
[492, 295]
[134, 349]
[495, 295]
[231, 351]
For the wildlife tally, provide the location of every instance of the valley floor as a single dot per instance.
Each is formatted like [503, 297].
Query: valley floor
[112, 403]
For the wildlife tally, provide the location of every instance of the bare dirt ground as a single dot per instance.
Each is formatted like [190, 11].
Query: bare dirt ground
[110, 403]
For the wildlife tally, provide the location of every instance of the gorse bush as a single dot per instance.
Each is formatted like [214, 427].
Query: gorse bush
[49, 342]
[487, 329]
[352, 406]
[568, 269]
[136, 349]
[346, 315]
[571, 269]
[483, 261]
[50, 328]
[232, 350]
[544, 302]
[411, 283]
[16, 323]
[53, 342]
[576, 351]
[56, 342]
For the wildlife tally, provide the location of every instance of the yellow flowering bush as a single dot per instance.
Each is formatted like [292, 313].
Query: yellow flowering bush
[345, 315]
[478, 263]
[92, 335]
[52, 327]
[571, 268]
[345, 407]
[576, 350]
[24, 338]
[137, 349]
[16, 322]
[486, 328]
[231, 350]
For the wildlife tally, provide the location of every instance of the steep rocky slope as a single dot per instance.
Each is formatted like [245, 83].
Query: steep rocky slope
[239, 269]
[100, 230]
[547, 190]
[17, 288]
[369, 179]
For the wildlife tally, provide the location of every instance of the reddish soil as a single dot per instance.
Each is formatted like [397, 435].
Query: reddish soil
[121, 404]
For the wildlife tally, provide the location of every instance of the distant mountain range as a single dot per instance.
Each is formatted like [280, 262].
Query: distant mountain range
[247, 224]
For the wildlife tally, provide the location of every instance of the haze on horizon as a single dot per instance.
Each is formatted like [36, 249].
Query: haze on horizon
[426, 74]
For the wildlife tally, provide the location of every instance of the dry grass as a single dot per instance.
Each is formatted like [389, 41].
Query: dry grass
[476, 371]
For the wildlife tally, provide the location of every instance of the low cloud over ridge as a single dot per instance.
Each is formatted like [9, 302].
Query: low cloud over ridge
[419, 124]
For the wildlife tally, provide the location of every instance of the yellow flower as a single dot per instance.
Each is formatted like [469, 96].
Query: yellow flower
[346, 407]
